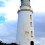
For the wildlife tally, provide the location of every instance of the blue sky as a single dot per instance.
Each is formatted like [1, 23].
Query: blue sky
[8, 10]
[39, 26]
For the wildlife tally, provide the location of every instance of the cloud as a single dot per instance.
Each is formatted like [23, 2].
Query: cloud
[36, 42]
[8, 31]
[39, 28]
[8, 39]
[10, 9]
[2, 4]
[39, 24]
[40, 41]
[38, 5]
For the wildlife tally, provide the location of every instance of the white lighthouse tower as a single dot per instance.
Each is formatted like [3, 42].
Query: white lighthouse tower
[25, 27]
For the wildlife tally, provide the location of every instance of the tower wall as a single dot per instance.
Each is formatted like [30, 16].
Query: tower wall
[25, 29]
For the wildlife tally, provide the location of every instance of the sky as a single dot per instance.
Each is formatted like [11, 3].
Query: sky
[9, 17]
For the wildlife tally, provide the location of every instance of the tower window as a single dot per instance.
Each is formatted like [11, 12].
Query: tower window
[31, 24]
[21, 0]
[31, 43]
[31, 33]
[26, 32]
[31, 17]
[29, 0]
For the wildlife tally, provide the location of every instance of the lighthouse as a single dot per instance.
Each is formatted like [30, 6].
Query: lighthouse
[25, 26]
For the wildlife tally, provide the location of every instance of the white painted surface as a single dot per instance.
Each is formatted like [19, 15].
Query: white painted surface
[24, 29]
[24, 25]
